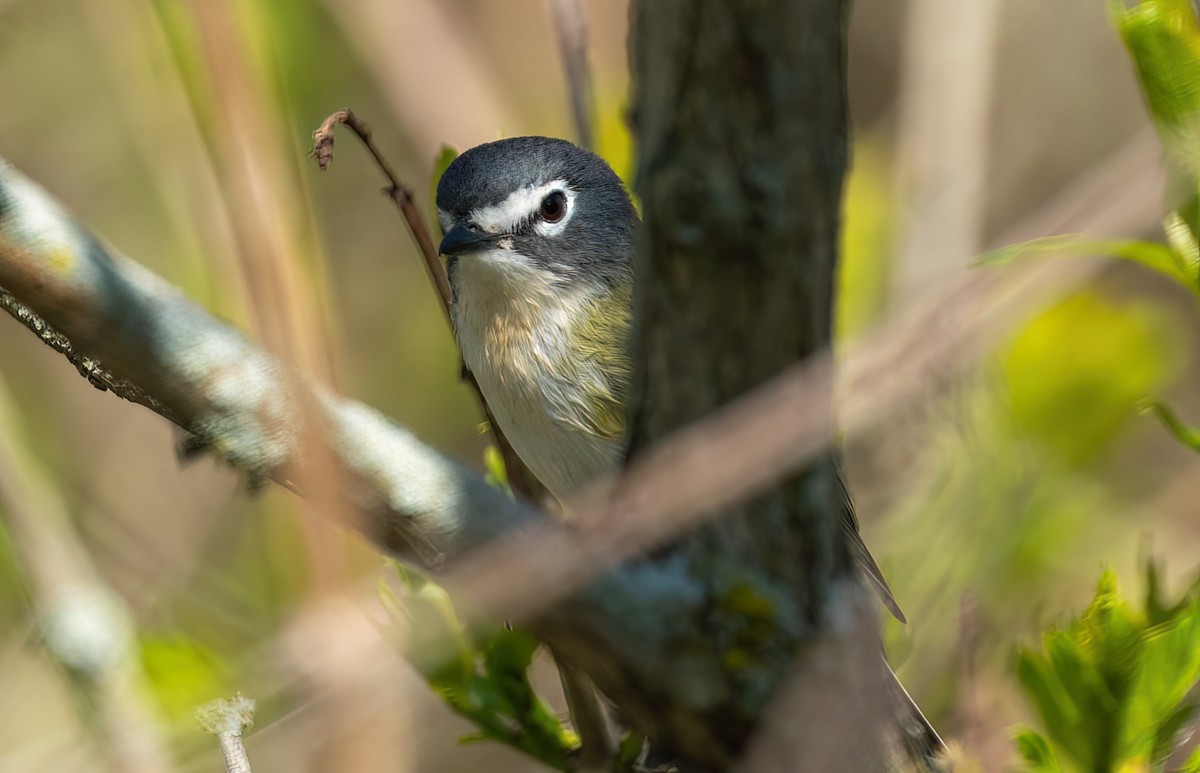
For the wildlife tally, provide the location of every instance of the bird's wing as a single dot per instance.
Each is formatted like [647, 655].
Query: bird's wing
[603, 340]
[866, 562]
[925, 748]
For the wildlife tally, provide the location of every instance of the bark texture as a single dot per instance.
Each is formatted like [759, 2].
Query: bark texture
[741, 125]
[740, 118]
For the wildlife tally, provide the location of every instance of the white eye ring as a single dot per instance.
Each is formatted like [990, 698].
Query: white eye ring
[566, 207]
[522, 207]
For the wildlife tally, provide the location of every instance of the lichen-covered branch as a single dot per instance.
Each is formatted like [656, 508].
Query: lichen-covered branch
[132, 328]
[91, 369]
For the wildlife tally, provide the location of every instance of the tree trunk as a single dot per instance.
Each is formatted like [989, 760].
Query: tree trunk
[740, 118]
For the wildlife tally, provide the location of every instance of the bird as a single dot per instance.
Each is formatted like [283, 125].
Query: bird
[539, 236]
[539, 239]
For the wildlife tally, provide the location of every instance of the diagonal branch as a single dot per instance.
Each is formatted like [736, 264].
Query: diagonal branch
[397, 191]
[237, 399]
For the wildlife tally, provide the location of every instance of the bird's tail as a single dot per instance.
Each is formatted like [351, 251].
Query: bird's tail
[922, 745]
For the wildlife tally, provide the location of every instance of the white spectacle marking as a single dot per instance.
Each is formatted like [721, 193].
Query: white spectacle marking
[521, 205]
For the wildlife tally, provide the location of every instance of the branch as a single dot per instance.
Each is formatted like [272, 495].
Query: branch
[228, 719]
[91, 369]
[239, 401]
[570, 27]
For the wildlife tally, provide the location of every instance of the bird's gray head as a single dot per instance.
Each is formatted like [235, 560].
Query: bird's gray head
[542, 202]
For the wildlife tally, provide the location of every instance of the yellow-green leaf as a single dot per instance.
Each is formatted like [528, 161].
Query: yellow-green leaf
[1152, 255]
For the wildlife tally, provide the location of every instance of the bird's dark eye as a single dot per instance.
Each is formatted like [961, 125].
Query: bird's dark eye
[554, 207]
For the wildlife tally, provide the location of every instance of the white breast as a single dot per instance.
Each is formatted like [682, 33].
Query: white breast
[512, 323]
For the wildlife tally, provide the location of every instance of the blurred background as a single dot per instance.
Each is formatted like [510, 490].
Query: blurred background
[179, 132]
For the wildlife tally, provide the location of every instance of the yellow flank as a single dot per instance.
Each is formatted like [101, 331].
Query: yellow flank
[602, 338]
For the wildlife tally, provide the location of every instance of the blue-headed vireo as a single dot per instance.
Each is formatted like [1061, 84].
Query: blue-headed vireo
[540, 236]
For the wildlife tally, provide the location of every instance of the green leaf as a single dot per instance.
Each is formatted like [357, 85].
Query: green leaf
[1168, 668]
[1114, 688]
[1184, 433]
[507, 659]
[435, 642]
[1036, 752]
[1152, 255]
[1058, 703]
[1163, 39]
[486, 681]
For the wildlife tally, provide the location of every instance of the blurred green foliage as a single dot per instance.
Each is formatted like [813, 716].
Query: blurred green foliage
[614, 141]
[863, 268]
[1022, 479]
[1163, 40]
[182, 672]
[1129, 351]
[1115, 688]
[484, 677]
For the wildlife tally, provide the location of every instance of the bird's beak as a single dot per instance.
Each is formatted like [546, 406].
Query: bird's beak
[463, 238]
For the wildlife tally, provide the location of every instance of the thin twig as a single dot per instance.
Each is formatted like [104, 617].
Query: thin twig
[228, 719]
[397, 191]
[570, 26]
[520, 478]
